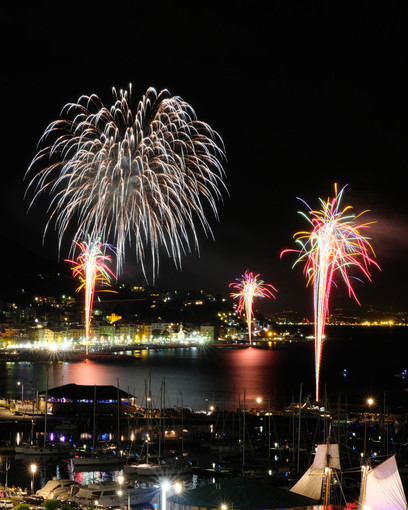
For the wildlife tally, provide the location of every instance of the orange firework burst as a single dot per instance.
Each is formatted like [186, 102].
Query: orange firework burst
[249, 287]
[91, 268]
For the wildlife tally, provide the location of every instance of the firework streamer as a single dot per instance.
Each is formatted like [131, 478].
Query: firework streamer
[91, 268]
[141, 176]
[249, 287]
[335, 245]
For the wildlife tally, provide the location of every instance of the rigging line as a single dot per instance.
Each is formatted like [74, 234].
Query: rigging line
[340, 487]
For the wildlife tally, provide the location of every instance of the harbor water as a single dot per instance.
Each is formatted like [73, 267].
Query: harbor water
[356, 362]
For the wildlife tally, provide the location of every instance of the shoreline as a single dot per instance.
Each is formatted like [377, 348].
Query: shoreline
[120, 353]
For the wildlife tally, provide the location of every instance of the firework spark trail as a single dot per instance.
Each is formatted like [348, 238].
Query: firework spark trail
[124, 174]
[91, 268]
[249, 287]
[334, 244]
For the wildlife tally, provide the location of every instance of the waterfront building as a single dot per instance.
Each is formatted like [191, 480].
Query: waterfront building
[78, 399]
[143, 332]
[10, 333]
[41, 335]
[158, 328]
[207, 332]
[77, 333]
[125, 333]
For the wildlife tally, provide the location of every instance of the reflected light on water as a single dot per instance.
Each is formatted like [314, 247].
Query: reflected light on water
[252, 371]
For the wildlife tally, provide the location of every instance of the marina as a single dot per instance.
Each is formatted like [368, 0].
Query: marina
[269, 448]
[211, 428]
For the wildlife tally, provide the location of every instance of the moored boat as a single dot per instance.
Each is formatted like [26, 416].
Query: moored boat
[315, 483]
[52, 449]
[109, 494]
[97, 460]
[381, 487]
[155, 469]
[56, 489]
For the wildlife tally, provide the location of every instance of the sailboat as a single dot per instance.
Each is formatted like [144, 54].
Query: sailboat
[316, 482]
[381, 487]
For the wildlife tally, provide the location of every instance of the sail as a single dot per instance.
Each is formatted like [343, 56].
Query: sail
[383, 488]
[327, 456]
[310, 484]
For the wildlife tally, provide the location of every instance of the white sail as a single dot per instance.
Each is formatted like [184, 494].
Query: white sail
[383, 489]
[310, 484]
[327, 456]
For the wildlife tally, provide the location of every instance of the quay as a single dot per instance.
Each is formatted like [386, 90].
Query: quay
[122, 352]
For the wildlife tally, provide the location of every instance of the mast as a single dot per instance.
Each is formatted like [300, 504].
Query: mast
[94, 420]
[160, 418]
[269, 432]
[182, 423]
[243, 434]
[319, 474]
[327, 473]
[298, 445]
[46, 406]
[118, 397]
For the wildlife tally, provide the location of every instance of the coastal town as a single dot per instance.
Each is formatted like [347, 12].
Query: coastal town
[137, 315]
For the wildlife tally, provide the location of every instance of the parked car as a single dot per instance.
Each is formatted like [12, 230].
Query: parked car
[6, 503]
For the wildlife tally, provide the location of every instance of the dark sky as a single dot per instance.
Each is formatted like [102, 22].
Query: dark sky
[303, 95]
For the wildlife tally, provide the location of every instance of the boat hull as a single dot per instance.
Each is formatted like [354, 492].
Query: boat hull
[107, 496]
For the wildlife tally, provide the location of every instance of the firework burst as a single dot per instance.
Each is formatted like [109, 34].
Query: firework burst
[140, 175]
[91, 268]
[249, 287]
[335, 245]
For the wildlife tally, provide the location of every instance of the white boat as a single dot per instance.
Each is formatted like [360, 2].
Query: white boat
[107, 494]
[381, 487]
[54, 449]
[155, 469]
[56, 489]
[143, 469]
[97, 460]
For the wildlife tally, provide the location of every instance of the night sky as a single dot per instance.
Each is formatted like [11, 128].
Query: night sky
[303, 96]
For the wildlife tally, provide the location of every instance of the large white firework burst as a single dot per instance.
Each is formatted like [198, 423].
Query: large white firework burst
[141, 176]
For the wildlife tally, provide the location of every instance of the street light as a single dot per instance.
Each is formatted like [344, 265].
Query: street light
[365, 466]
[19, 383]
[165, 486]
[33, 469]
[121, 480]
[370, 402]
[176, 487]
[6, 467]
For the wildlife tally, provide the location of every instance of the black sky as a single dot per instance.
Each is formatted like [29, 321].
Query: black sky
[303, 95]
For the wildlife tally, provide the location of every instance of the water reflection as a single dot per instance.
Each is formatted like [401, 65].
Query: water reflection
[193, 376]
[196, 377]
